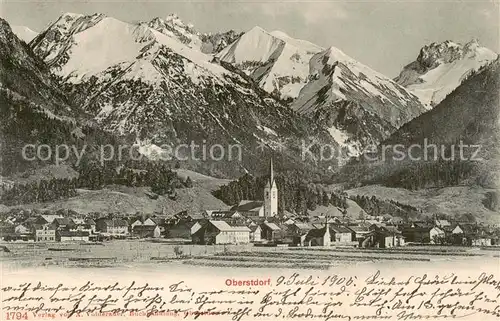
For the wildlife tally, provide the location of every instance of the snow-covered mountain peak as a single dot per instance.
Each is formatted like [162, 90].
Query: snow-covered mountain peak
[68, 16]
[24, 33]
[441, 67]
[336, 55]
[77, 22]
[106, 48]
[333, 56]
[304, 44]
[358, 105]
[280, 34]
[71, 15]
[347, 77]
[255, 45]
[257, 29]
[276, 61]
[174, 27]
[53, 42]
[473, 44]
[174, 18]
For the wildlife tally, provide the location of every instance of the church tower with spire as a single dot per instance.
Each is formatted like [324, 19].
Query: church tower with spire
[271, 195]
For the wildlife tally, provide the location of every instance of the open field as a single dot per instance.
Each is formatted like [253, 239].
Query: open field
[125, 252]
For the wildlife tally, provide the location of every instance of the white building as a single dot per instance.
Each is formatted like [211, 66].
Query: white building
[255, 233]
[73, 236]
[45, 233]
[436, 234]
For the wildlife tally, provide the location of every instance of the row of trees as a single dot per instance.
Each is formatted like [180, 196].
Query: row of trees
[432, 174]
[159, 177]
[39, 191]
[376, 207]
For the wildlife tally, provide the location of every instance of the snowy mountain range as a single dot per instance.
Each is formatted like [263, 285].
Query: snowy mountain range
[441, 67]
[164, 82]
[157, 85]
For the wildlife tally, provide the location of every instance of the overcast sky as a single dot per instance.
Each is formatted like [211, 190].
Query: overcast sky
[385, 35]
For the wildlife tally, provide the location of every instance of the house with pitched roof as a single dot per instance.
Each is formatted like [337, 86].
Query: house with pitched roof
[318, 237]
[360, 232]
[45, 233]
[298, 232]
[146, 231]
[477, 235]
[341, 234]
[271, 232]
[220, 232]
[112, 227]
[135, 223]
[232, 217]
[182, 229]
[63, 223]
[255, 233]
[253, 208]
[421, 232]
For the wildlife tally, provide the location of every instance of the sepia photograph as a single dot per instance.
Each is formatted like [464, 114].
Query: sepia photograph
[250, 160]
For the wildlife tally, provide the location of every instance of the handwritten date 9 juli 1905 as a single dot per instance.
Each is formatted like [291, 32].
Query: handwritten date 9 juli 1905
[294, 296]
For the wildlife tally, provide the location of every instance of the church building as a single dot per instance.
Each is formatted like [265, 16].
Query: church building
[268, 208]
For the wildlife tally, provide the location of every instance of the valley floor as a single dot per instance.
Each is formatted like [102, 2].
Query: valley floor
[130, 253]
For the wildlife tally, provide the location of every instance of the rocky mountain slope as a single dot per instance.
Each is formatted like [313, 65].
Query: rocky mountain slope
[276, 61]
[33, 110]
[209, 43]
[440, 68]
[157, 85]
[358, 105]
[26, 76]
[468, 117]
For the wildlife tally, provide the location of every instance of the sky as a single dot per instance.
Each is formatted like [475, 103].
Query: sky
[385, 35]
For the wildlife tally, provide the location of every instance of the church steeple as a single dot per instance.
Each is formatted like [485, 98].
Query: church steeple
[271, 179]
[271, 194]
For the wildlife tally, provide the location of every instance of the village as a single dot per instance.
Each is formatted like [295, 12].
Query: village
[249, 222]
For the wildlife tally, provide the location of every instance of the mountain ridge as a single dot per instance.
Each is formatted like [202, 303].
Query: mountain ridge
[455, 121]
[276, 61]
[354, 101]
[440, 68]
